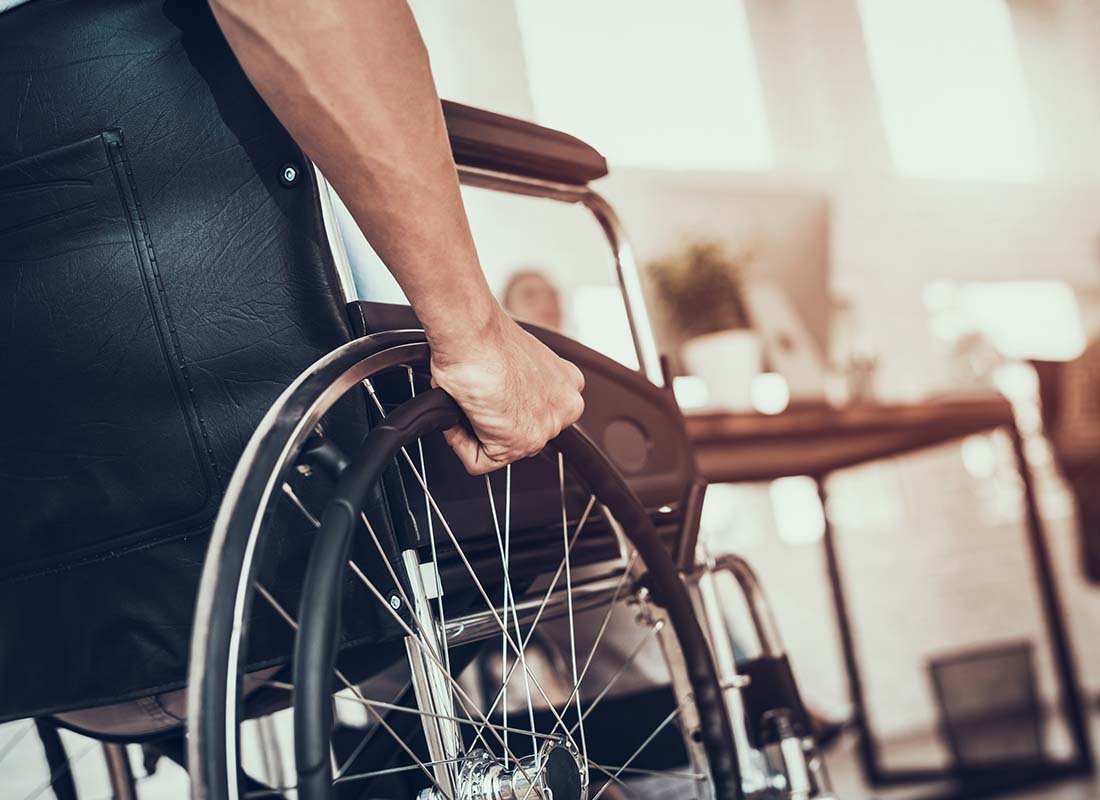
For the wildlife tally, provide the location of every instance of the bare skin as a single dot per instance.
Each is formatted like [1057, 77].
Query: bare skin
[350, 80]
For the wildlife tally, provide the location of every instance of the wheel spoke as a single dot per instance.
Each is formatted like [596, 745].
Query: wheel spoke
[431, 540]
[575, 694]
[507, 588]
[15, 740]
[378, 773]
[667, 720]
[459, 720]
[359, 747]
[472, 573]
[569, 604]
[383, 705]
[669, 773]
[505, 555]
[417, 639]
[450, 534]
[549, 593]
[282, 612]
[623, 668]
[288, 490]
[392, 770]
[611, 776]
[65, 770]
[458, 692]
[418, 763]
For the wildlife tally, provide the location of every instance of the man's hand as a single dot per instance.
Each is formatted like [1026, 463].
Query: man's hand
[516, 392]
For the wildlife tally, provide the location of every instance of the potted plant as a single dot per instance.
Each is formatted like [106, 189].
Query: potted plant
[702, 292]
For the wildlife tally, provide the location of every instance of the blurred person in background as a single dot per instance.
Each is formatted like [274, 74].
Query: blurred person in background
[532, 297]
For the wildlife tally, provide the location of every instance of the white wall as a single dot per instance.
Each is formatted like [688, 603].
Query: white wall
[888, 237]
[476, 53]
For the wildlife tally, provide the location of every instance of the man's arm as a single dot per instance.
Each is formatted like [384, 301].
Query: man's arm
[350, 80]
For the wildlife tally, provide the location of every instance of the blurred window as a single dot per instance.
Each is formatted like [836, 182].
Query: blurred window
[665, 85]
[951, 89]
[1022, 320]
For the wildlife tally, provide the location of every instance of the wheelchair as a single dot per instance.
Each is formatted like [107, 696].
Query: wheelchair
[354, 576]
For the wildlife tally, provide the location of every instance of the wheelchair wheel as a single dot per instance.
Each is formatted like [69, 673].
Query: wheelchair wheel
[415, 570]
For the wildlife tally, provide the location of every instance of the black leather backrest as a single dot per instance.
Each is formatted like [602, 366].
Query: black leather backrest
[160, 284]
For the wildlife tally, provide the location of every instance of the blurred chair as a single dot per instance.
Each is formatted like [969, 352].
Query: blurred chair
[989, 706]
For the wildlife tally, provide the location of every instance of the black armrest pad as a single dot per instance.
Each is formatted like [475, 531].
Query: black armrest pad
[367, 317]
[504, 144]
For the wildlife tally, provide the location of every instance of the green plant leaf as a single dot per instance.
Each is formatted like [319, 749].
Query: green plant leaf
[702, 288]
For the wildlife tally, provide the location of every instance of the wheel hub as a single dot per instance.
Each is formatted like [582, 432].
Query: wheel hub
[559, 774]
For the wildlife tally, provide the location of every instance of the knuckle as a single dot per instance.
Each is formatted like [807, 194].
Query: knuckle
[577, 409]
[533, 446]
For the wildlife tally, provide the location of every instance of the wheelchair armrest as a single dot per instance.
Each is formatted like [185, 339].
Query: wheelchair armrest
[495, 142]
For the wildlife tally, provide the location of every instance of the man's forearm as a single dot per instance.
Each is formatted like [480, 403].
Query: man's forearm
[351, 82]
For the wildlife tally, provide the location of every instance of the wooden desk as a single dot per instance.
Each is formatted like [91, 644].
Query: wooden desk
[735, 448]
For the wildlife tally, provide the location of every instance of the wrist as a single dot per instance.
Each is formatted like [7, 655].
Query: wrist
[466, 324]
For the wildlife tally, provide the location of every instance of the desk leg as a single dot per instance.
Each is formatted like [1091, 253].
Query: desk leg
[1072, 703]
[867, 753]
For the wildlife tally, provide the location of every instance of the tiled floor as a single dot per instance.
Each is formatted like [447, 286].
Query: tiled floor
[849, 783]
[24, 775]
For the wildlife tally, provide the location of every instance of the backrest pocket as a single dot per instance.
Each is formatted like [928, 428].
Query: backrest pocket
[101, 444]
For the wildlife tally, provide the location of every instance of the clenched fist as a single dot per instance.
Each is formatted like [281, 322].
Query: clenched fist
[516, 392]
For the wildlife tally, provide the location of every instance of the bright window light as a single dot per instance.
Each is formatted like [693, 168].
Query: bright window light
[799, 518]
[951, 89]
[664, 85]
[770, 393]
[690, 391]
[1026, 320]
[979, 456]
[601, 323]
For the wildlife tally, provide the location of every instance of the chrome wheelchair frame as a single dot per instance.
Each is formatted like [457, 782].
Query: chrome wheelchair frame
[789, 764]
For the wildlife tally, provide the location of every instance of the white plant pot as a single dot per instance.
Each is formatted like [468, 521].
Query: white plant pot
[726, 361]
